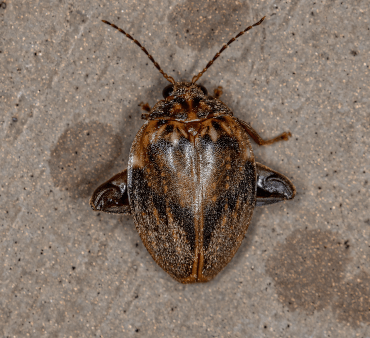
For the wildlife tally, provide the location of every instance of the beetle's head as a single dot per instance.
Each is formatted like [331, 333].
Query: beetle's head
[187, 102]
[184, 89]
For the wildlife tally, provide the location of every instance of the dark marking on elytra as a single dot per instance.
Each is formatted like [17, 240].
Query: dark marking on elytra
[82, 155]
[156, 149]
[229, 197]
[159, 203]
[214, 212]
[168, 130]
[161, 123]
[220, 118]
[216, 125]
[185, 218]
[224, 142]
[212, 216]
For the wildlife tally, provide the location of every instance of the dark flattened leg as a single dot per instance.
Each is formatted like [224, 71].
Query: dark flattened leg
[272, 187]
[218, 92]
[259, 140]
[112, 196]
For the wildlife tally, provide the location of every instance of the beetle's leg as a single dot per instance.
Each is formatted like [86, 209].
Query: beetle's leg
[259, 140]
[218, 92]
[145, 106]
[112, 195]
[272, 187]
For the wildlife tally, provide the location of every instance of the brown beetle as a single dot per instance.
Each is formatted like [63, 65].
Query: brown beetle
[192, 181]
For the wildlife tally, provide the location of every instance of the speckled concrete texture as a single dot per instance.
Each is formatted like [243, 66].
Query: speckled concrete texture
[69, 94]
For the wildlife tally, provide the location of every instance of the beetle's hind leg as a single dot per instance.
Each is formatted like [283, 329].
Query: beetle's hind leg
[259, 140]
[112, 196]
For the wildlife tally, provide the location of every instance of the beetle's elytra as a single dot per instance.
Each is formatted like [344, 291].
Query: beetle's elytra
[192, 181]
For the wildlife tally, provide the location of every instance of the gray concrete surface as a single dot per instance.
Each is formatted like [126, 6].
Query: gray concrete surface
[69, 93]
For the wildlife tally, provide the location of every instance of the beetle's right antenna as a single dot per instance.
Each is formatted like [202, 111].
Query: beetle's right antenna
[168, 78]
[196, 78]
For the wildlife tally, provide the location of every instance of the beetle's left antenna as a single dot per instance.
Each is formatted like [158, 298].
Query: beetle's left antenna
[168, 78]
[196, 78]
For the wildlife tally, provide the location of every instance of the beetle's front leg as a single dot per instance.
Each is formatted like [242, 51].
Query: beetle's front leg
[218, 92]
[259, 140]
[112, 196]
[146, 107]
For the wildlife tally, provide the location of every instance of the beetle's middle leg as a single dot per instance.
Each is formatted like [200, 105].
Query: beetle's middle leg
[259, 140]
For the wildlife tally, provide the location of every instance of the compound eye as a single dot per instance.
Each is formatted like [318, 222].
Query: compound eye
[203, 89]
[167, 91]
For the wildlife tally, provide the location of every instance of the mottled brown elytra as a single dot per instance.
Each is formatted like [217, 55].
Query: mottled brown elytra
[192, 182]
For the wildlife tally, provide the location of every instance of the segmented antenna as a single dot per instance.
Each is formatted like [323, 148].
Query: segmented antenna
[197, 77]
[168, 78]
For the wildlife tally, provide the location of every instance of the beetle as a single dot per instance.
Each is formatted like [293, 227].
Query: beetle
[192, 181]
